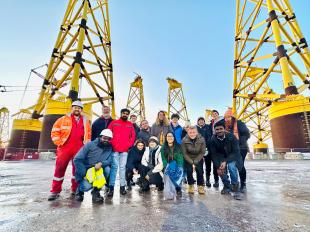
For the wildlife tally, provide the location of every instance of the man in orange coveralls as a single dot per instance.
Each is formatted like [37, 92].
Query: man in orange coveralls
[69, 134]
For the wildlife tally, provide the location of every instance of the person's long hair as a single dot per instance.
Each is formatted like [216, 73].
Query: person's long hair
[166, 122]
[166, 149]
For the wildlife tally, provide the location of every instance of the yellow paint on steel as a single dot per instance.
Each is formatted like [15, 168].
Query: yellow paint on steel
[27, 124]
[292, 105]
[260, 146]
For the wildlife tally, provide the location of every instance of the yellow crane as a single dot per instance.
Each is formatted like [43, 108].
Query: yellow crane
[4, 127]
[176, 100]
[135, 101]
[83, 50]
[271, 74]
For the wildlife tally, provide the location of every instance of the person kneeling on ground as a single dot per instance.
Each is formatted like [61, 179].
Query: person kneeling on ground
[96, 154]
[172, 151]
[226, 156]
[152, 165]
[194, 148]
[134, 161]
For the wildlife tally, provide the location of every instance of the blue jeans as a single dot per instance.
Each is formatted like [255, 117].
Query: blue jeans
[85, 186]
[233, 173]
[119, 160]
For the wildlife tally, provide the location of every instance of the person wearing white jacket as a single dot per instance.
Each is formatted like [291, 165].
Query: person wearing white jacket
[152, 166]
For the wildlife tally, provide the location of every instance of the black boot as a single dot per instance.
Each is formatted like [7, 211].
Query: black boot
[208, 184]
[123, 190]
[243, 187]
[111, 191]
[160, 187]
[96, 197]
[235, 191]
[225, 190]
[145, 186]
[216, 184]
[79, 196]
[53, 196]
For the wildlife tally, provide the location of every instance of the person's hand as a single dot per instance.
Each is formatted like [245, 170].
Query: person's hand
[135, 171]
[98, 166]
[194, 167]
[223, 165]
[220, 172]
[147, 177]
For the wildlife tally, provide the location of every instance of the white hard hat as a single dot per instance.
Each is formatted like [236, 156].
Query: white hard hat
[77, 103]
[107, 133]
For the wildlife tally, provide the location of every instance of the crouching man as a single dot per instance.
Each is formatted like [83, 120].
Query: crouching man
[95, 157]
[226, 158]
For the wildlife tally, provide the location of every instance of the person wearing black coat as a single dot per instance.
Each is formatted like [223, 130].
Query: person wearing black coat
[101, 123]
[145, 132]
[133, 120]
[226, 157]
[206, 132]
[133, 164]
[242, 133]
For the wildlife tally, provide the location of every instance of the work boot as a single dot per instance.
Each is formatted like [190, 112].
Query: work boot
[201, 190]
[53, 196]
[191, 189]
[179, 191]
[208, 184]
[243, 188]
[79, 196]
[96, 197]
[72, 195]
[160, 187]
[111, 192]
[216, 184]
[225, 190]
[123, 190]
[235, 192]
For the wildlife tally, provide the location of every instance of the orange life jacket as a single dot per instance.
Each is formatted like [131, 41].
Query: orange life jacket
[62, 128]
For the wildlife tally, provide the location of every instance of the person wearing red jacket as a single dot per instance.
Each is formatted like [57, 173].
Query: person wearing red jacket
[69, 134]
[123, 139]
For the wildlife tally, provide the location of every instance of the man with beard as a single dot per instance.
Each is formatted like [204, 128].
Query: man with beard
[133, 120]
[69, 134]
[145, 132]
[123, 139]
[101, 123]
[98, 154]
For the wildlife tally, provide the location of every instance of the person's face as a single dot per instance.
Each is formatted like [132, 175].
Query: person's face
[175, 121]
[140, 146]
[152, 144]
[214, 115]
[201, 122]
[106, 111]
[228, 118]
[144, 125]
[105, 139]
[125, 115]
[170, 138]
[192, 133]
[133, 119]
[219, 131]
[76, 110]
[161, 116]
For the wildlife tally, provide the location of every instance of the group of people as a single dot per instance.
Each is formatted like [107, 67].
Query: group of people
[108, 146]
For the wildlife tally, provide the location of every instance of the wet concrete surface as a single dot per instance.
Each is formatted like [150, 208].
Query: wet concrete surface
[278, 199]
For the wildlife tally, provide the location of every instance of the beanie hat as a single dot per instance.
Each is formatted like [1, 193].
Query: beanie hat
[154, 139]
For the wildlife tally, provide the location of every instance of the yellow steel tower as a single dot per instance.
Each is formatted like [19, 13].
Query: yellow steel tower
[4, 127]
[135, 101]
[271, 74]
[176, 100]
[83, 50]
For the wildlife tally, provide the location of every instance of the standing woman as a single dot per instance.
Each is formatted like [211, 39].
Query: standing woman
[170, 151]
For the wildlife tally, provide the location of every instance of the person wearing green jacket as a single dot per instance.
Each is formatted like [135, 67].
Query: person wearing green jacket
[170, 151]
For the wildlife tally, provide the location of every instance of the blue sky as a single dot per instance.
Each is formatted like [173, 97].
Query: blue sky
[191, 41]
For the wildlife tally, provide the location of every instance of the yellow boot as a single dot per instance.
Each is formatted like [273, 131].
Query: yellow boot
[201, 190]
[191, 189]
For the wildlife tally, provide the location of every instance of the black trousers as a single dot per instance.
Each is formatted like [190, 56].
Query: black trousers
[208, 162]
[129, 172]
[199, 172]
[242, 172]
[155, 178]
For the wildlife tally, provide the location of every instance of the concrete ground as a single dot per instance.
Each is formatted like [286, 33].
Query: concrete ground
[278, 199]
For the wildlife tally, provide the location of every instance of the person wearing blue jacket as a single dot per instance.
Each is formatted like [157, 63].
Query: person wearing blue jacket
[176, 128]
[98, 154]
